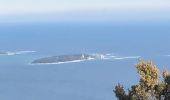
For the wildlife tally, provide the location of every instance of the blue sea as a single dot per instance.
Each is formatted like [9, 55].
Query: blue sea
[86, 80]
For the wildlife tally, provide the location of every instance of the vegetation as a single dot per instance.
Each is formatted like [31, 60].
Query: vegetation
[150, 86]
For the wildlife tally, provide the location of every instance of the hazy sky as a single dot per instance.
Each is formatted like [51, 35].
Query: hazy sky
[58, 10]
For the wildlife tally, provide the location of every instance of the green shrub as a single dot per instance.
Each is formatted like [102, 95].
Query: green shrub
[150, 87]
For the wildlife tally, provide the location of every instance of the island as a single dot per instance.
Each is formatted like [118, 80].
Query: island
[66, 58]
[3, 53]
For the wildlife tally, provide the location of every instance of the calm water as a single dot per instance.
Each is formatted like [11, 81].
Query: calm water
[89, 80]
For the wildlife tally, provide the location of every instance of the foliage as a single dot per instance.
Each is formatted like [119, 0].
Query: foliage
[150, 87]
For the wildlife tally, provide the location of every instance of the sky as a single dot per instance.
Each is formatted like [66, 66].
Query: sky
[83, 10]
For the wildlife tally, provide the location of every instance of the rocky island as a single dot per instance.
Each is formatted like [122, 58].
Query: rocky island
[65, 59]
[3, 53]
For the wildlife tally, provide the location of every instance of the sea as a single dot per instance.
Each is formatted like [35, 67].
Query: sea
[124, 43]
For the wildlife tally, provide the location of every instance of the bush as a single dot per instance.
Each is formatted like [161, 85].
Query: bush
[150, 87]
